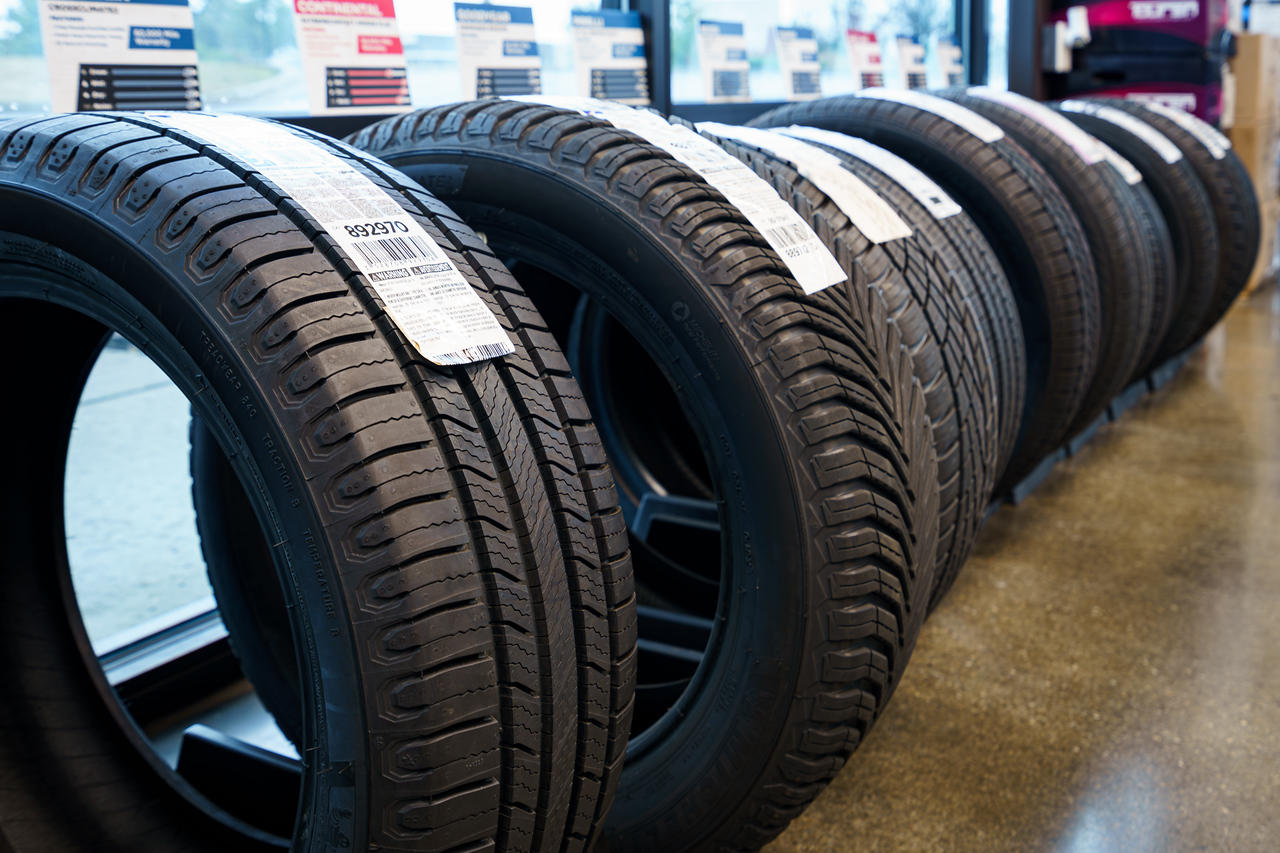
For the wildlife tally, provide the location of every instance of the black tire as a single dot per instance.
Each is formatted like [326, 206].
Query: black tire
[1187, 213]
[1164, 275]
[238, 563]
[402, 611]
[1029, 225]
[793, 419]
[588, 524]
[1108, 212]
[1234, 203]
[958, 250]
[932, 307]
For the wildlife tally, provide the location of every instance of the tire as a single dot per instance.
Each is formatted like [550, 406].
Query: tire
[750, 407]
[1185, 208]
[959, 251]
[1028, 224]
[588, 524]
[239, 565]
[1156, 237]
[1108, 212]
[348, 449]
[1234, 203]
[931, 307]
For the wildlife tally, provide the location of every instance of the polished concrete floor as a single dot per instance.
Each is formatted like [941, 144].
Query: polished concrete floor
[1105, 675]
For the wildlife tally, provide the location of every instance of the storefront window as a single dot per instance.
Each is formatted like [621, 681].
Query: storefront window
[925, 21]
[997, 43]
[130, 523]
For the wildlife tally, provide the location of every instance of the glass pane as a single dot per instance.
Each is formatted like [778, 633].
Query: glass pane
[24, 78]
[249, 60]
[925, 20]
[131, 534]
[998, 43]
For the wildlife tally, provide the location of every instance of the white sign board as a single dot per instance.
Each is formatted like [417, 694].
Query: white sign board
[352, 56]
[608, 49]
[950, 62]
[911, 68]
[497, 51]
[120, 55]
[722, 53]
[864, 59]
[798, 62]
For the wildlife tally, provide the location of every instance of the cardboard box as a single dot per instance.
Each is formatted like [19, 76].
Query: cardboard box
[1256, 66]
[1258, 147]
[1267, 265]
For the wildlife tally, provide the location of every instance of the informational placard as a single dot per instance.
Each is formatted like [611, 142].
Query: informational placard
[352, 56]
[870, 214]
[608, 49]
[950, 62]
[912, 73]
[497, 50]
[864, 59]
[786, 232]
[424, 292]
[120, 55]
[722, 53]
[798, 61]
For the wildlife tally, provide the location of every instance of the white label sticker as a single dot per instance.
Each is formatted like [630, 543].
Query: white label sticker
[1154, 139]
[1127, 170]
[1208, 135]
[962, 117]
[911, 179]
[425, 294]
[1059, 125]
[809, 260]
[869, 213]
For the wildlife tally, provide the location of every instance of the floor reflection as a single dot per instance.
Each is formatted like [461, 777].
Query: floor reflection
[1105, 675]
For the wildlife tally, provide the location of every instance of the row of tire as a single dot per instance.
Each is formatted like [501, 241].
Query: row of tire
[694, 516]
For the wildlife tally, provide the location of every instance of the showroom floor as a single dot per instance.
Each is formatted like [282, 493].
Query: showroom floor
[1105, 675]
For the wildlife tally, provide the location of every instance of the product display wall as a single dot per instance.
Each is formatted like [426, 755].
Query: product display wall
[532, 435]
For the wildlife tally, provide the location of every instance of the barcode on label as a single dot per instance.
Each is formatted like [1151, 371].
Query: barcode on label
[394, 250]
[788, 235]
[473, 354]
